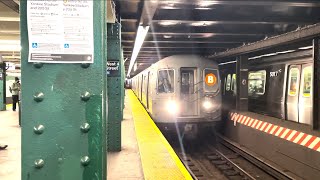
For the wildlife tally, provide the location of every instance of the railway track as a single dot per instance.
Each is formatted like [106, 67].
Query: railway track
[220, 159]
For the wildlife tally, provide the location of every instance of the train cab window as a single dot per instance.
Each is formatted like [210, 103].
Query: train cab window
[293, 81]
[166, 81]
[257, 82]
[211, 80]
[228, 84]
[307, 81]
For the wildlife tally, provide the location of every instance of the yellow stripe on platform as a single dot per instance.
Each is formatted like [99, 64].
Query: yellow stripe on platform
[159, 161]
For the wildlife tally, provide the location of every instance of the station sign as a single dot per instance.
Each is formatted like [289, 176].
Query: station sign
[113, 68]
[60, 31]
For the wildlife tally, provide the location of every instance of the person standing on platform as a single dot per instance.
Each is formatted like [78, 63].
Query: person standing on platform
[15, 89]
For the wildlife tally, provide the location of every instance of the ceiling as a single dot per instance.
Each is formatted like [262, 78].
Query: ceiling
[206, 27]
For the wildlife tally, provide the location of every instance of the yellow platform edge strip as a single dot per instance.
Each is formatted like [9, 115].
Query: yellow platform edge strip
[140, 117]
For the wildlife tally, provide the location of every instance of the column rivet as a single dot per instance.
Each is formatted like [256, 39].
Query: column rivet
[85, 160]
[85, 127]
[85, 96]
[38, 65]
[38, 129]
[85, 65]
[38, 97]
[39, 163]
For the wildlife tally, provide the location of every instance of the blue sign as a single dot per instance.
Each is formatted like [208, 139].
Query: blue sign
[34, 45]
[66, 45]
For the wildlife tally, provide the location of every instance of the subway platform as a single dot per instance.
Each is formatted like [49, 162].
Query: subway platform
[145, 153]
[10, 134]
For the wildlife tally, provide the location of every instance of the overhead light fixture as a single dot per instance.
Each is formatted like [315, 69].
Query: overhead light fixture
[167, 23]
[207, 3]
[307, 47]
[202, 23]
[167, 36]
[10, 45]
[141, 35]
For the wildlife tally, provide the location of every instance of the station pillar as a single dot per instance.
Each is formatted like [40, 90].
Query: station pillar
[115, 84]
[63, 104]
[2, 85]
[316, 84]
[242, 83]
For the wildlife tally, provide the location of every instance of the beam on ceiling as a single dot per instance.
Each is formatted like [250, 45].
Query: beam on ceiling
[294, 3]
[196, 33]
[288, 38]
[11, 4]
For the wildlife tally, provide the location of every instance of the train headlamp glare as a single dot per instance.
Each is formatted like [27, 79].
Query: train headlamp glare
[207, 105]
[172, 107]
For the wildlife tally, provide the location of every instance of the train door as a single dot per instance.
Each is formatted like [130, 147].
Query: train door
[147, 93]
[305, 95]
[141, 88]
[299, 96]
[188, 93]
[293, 93]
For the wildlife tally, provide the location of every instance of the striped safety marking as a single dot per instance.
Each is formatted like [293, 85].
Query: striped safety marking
[303, 139]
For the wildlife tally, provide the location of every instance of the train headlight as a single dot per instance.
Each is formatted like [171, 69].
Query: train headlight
[207, 105]
[172, 107]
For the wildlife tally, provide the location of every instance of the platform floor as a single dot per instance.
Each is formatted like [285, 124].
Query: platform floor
[126, 164]
[10, 134]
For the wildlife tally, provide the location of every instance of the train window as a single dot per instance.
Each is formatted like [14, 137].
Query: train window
[166, 81]
[228, 84]
[257, 82]
[234, 83]
[214, 87]
[293, 81]
[307, 75]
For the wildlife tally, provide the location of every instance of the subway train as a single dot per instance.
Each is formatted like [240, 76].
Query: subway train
[182, 90]
[279, 85]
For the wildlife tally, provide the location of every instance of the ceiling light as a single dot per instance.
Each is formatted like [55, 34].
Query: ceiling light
[206, 3]
[307, 47]
[141, 35]
[167, 36]
[167, 23]
[16, 19]
[201, 23]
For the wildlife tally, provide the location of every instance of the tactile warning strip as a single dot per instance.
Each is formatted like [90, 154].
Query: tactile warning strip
[159, 161]
[303, 139]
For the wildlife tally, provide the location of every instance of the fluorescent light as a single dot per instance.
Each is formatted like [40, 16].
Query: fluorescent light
[141, 35]
[168, 23]
[230, 62]
[307, 47]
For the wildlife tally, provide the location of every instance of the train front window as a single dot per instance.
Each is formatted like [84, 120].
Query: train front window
[228, 84]
[257, 82]
[307, 80]
[293, 81]
[166, 81]
[211, 78]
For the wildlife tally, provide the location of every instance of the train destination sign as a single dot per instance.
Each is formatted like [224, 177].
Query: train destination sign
[113, 68]
[60, 31]
[211, 79]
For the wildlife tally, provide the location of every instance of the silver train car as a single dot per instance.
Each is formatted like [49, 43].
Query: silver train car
[181, 90]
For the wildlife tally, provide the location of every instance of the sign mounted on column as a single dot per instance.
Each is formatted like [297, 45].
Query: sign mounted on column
[60, 31]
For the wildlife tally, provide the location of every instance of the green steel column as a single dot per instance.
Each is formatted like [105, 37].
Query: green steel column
[114, 86]
[122, 83]
[2, 86]
[63, 115]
